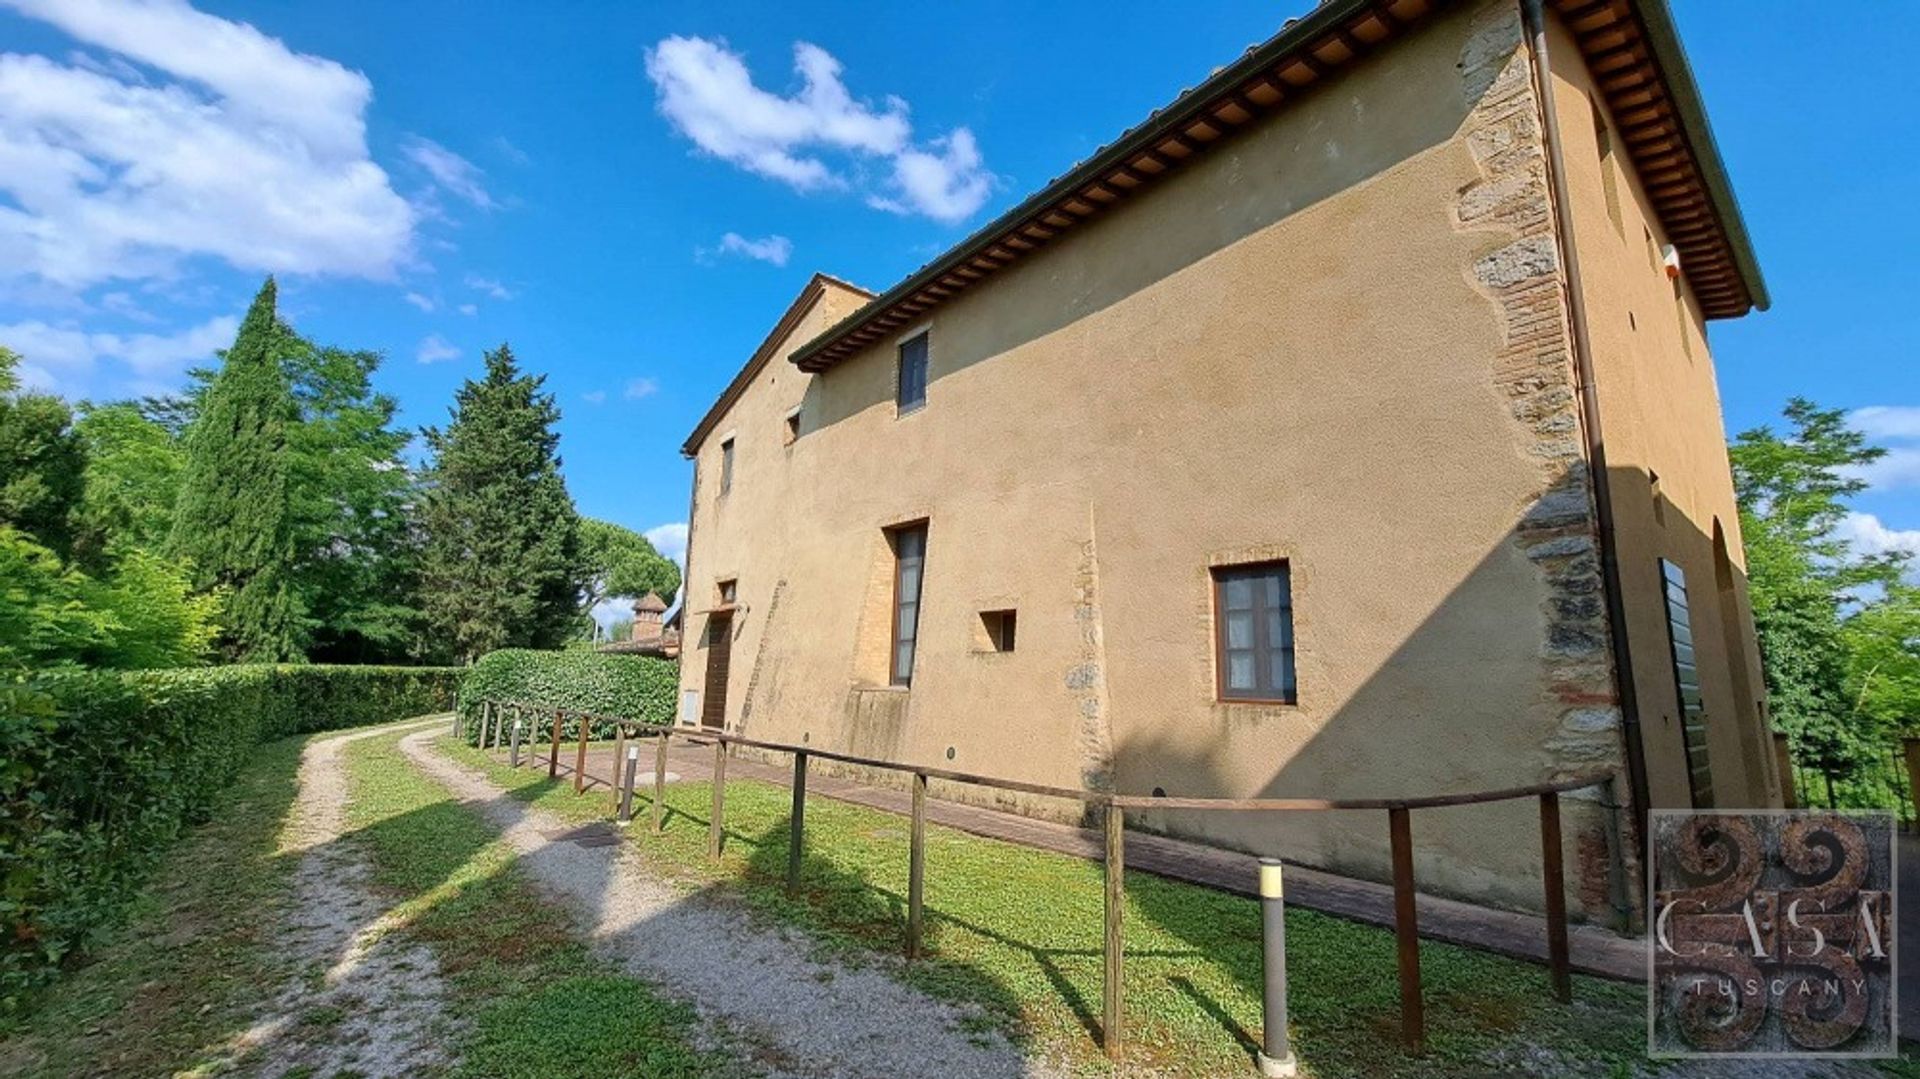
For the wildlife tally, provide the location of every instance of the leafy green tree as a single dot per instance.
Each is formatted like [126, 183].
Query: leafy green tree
[144, 616]
[502, 563]
[42, 462]
[132, 481]
[1883, 661]
[43, 618]
[234, 521]
[622, 562]
[357, 555]
[355, 561]
[1804, 578]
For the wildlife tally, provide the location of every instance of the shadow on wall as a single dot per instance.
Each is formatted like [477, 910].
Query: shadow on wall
[1545, 715]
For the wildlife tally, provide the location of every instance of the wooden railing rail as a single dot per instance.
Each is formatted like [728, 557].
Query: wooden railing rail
[1113, 809]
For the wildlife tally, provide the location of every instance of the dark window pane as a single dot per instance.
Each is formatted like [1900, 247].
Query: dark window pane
[1253, 621]
[909, 548]
[912, 387]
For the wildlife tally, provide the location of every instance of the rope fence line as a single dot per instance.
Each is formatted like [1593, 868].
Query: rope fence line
[629, 733]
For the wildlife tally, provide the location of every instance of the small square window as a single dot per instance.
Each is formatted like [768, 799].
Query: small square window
[790, 429]
[911, 385]
[996, 631]
[728, 590]
[726, 466]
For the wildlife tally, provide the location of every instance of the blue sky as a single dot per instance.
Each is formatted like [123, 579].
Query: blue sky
[630, 195]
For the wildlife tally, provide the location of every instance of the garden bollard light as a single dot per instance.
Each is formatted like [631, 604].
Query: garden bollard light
[1276, 1058]
[626, 785]
[513, 748]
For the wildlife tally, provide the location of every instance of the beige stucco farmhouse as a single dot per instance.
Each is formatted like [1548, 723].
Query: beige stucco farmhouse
[1348, 428]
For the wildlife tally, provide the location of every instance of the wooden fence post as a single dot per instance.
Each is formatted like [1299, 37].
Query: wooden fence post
[580, 757]
[917, 866]
[1406, 931]
[797, 824]
[1111, 1021]
[553, 755]
[660, 783]
[1556, 883]
[715, 827]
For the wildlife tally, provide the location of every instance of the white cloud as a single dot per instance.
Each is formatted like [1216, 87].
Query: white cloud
[108, 170]
[124, 305]
[670, 540]
[1887, 421]
[1899, 468]
[489, 286]
[594, 397]
[641, 388]
[436, 349]
[946, 185]
[455, 174]
[611, 610]
[422, 302]
[1868, 535]
[774, 249]
[707, 93]
[63, 359]
[508, 150]
[469, 310]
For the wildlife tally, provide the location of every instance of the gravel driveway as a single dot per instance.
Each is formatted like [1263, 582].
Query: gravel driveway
[362, 1002]
[806, 1017]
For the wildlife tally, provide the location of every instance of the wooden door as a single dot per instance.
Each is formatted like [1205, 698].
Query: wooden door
[713, 711]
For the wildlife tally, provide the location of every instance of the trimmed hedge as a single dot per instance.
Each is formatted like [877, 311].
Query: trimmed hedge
[100, 771]
[639, 688]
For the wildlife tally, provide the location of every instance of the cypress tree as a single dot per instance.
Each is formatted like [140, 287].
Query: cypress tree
[502, 565]
[232, 523]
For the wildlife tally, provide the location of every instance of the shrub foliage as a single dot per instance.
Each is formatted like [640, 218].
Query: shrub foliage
[639, 688]
[99, 771]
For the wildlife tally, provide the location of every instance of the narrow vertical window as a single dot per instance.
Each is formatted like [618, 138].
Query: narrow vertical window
[911, 390]
[1253, 628]
[726, 466]
[1682, 318]
[1609, 169]
[790, 430]
[1686, 684]
[909, 563]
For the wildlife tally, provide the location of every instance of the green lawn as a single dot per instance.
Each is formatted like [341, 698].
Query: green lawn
[539, 1004]
[1019, 931]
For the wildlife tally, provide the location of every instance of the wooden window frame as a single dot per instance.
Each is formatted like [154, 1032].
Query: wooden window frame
[1217, 579]
[895, 677]
[924, 335]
